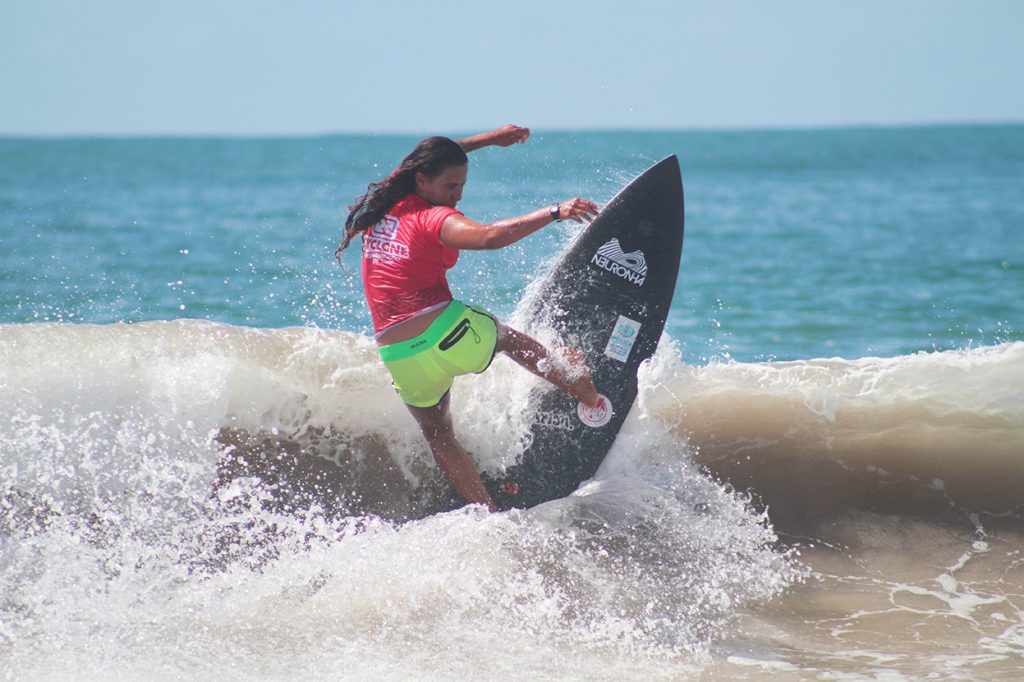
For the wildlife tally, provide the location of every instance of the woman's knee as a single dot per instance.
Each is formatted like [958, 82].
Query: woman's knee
[434, 419]
[503, 331]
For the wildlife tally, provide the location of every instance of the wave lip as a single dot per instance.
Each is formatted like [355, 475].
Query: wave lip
[917, 433]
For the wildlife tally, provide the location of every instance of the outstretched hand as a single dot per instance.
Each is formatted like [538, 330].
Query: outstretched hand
[508, 135]
[577, 210]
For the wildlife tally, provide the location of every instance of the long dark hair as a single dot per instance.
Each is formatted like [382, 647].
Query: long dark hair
[431, 157]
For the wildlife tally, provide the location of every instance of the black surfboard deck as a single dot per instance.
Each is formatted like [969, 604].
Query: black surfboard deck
[608, 295]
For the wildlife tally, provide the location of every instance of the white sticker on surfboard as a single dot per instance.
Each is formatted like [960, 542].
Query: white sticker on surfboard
[620, 343]
[595, 417]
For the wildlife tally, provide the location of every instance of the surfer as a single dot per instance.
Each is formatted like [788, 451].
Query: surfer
[411, 235]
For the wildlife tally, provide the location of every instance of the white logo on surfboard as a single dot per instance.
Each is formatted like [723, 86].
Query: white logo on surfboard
[631, 267]
[595, 417]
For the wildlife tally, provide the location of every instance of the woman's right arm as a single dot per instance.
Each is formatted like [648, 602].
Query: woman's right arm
[460, 232]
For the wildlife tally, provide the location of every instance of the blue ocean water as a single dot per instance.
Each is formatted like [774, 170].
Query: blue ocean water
[822, 475]
[798, 243]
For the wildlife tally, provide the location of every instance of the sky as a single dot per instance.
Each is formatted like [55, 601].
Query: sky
[306, 67]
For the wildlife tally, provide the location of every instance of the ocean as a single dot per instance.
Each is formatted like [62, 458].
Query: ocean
[204, 471]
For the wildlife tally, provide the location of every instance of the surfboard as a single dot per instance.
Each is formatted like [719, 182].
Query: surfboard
[608, 295]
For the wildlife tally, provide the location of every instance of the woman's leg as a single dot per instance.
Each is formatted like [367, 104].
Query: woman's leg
[436, 424]
[529, 353]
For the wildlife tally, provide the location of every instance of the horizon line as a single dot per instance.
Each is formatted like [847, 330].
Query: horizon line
[542, 130]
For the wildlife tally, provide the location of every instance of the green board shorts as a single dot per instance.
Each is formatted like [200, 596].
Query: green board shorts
[462, 340]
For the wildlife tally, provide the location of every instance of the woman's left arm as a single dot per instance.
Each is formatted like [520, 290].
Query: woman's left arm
[504, 136]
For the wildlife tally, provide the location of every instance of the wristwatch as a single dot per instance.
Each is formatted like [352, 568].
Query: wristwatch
[556, 213]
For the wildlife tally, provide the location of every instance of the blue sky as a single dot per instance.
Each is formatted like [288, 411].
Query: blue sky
[309, 67]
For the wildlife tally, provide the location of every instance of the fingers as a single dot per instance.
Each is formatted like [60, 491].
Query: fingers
[578, 210]
[511, 134]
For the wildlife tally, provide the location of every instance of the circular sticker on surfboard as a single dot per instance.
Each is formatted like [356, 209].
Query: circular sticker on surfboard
[596, 416]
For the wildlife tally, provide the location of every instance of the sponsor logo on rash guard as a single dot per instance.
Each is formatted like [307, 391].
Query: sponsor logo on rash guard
[631, 267]
[381, 242]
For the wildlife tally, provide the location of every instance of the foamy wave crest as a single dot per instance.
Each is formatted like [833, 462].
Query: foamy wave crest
[96, 398]
[204, 372]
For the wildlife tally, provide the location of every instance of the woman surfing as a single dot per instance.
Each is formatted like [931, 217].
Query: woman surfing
[411, 236]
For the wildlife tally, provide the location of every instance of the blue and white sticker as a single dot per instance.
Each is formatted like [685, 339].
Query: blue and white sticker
[620, 343]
